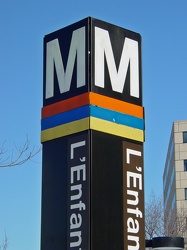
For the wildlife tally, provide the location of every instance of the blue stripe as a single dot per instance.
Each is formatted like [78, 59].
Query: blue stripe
[116, 117]
[65, 117]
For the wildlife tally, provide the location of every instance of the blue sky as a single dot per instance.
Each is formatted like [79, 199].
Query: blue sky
[23, 24]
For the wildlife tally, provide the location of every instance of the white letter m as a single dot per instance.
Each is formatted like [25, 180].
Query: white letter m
[54, 60]
[129, 56]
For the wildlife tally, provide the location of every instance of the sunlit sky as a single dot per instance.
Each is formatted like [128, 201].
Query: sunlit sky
[23, 24]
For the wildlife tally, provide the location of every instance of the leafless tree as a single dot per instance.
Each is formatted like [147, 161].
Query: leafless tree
[170, 223]
[182, 220]
[4, 245]
[19, 154]
[176, 221]
[154, 218]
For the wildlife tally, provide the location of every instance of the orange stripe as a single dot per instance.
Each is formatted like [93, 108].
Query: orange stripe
[116, 105]
[65, 105]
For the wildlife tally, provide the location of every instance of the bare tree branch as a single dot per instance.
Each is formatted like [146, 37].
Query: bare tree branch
[18, 156]
[154, 219]
[4, 245]
[176, 221]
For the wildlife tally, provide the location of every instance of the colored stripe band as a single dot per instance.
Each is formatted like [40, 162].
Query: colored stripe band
[94, 99]
[66, 105]
[95, 124]
[93, 111]
[116, 117]
[116, 105]
[116, 129]
[66, 117]
[66, 129]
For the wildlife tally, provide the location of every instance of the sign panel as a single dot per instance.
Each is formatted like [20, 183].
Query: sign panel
[115, 66]
[133, 193]
[116, 61]
[65, 193]
[54, 194]
[78, 208]
[117, 196]
[92, 134]
[66, 63]
[106, 192]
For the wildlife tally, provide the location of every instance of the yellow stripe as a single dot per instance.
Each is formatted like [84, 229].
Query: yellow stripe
[66, 129]
[116, 129]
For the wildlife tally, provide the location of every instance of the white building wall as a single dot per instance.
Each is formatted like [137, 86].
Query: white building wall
[180, 154]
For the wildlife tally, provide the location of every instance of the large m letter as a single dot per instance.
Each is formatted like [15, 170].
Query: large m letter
[129, 58]
[54, 61]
